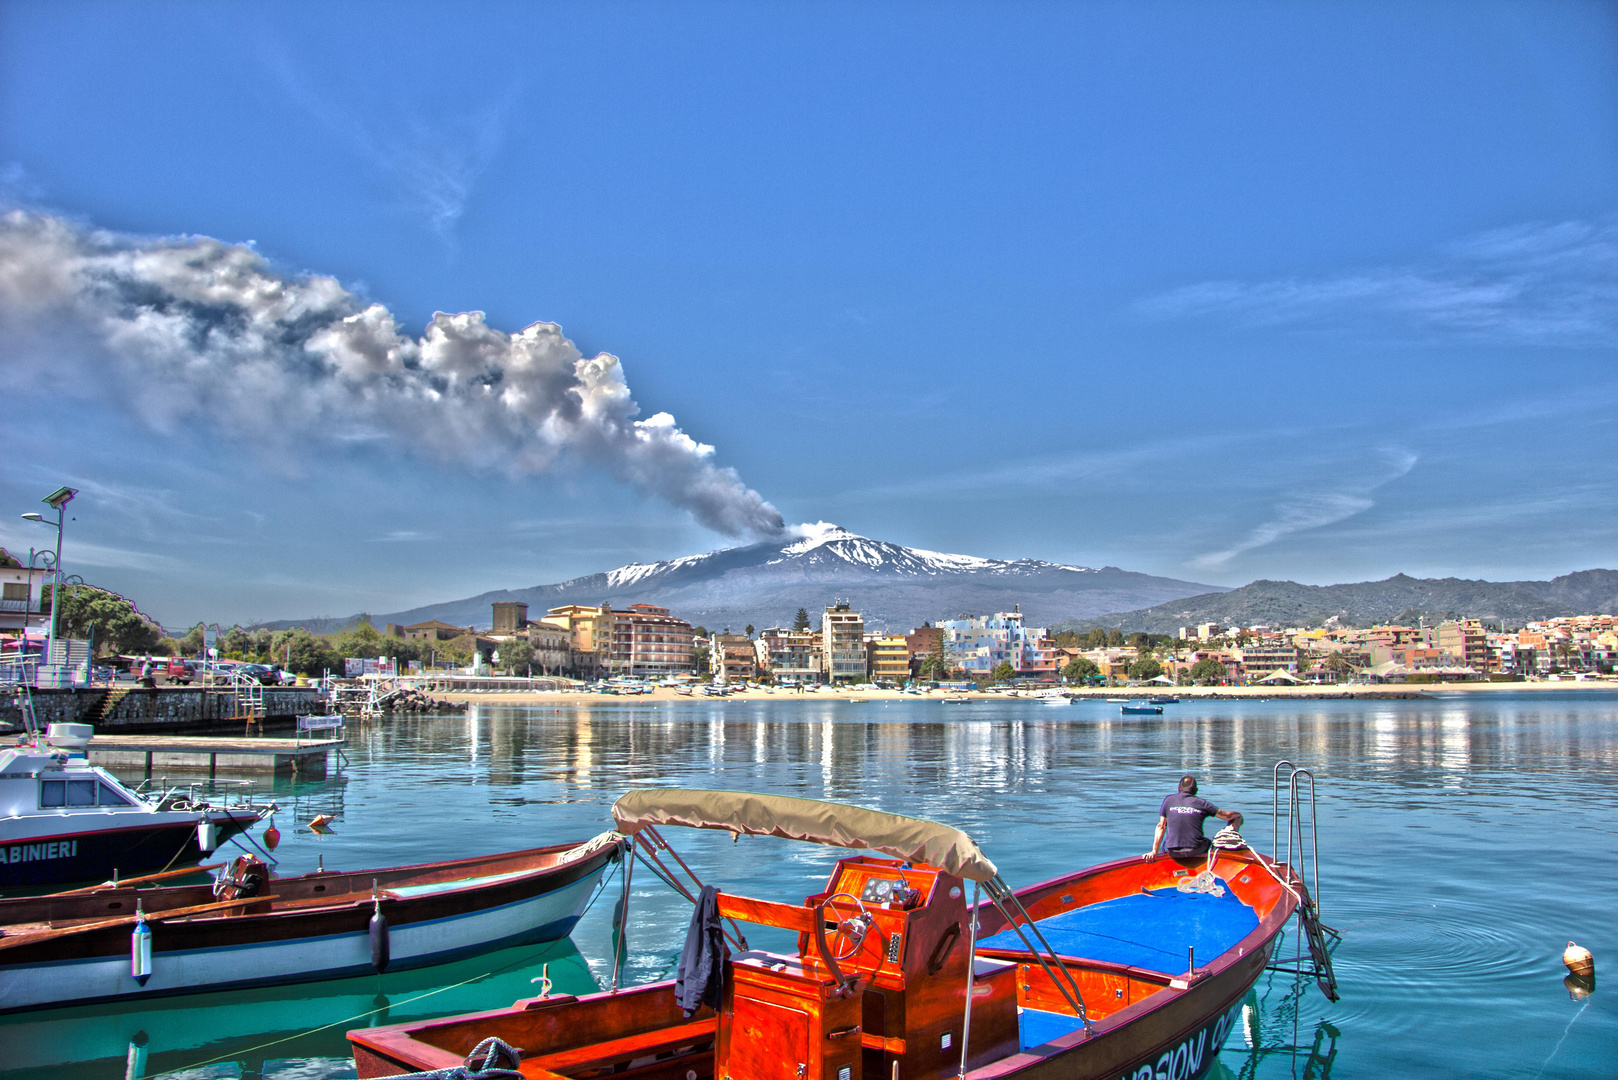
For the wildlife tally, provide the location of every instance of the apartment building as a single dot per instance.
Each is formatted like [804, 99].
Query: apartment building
[1467, 642]
[887, 657]
[642, 639]
[732, 657]
[842, 643]
[791, 657]
[980, 644]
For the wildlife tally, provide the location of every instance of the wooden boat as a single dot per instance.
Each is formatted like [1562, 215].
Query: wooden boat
[892, 980]
[249, 928]
[1140, 708]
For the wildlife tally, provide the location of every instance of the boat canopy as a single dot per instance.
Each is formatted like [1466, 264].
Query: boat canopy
[835, 824]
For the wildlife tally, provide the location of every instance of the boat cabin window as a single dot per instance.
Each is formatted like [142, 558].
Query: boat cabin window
[55, 793]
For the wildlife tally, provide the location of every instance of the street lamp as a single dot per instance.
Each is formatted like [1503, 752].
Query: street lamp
[56, 500]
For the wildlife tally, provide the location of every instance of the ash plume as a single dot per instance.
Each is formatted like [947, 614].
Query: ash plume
[193, 329]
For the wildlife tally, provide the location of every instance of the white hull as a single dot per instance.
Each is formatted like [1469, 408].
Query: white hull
[541, 918]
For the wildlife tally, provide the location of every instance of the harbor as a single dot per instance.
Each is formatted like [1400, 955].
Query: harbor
[1408, 788]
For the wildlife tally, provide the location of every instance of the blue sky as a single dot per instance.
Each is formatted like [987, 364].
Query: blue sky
[1320, 292]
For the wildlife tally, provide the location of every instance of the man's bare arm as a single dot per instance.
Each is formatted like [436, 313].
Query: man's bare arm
[1232, 816]
[1157, 837]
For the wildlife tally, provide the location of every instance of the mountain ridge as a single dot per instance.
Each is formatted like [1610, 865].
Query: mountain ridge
[1396, 599]
[892, 585]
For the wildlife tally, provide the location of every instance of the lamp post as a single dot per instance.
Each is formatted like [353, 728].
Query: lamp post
[56, 500]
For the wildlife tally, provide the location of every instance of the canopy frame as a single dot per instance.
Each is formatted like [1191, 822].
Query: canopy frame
[912, 839]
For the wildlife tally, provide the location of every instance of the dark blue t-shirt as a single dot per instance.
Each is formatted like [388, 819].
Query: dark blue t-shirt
[1185, 815]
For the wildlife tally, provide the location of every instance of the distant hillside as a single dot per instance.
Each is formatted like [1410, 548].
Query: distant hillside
[895, 587]
[1399, 599]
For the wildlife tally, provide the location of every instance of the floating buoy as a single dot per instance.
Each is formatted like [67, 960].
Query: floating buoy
[140, 949]
[320, 819]
[1579, 960]
[207, 836]
[272, 836]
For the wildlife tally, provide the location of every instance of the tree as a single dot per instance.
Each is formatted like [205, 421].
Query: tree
[304, 653]
[1097, 639]
[1115, 639]
[191, 643]
[1004, 672]
[1148, 668]
[749, 630]
[518, 654]
[114, 622]
[1207, 670]
[1080, 668]
[800, 621]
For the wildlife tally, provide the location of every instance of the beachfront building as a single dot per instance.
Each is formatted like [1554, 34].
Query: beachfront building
[732, 658]
[553, 646]
[433, 630]
[1263, 659]
[842, 643]
[792, 657]
[1467, 643]
[887, 657]
[640, 640]
[979, 644]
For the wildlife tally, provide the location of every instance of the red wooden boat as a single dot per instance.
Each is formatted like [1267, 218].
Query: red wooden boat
[1133, 969]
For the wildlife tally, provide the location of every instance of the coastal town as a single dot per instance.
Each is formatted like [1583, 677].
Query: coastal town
[835, 647]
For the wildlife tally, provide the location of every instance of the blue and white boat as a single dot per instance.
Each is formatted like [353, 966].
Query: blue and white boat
[64, 820]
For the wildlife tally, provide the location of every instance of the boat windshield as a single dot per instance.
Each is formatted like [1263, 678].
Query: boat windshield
[835, 824]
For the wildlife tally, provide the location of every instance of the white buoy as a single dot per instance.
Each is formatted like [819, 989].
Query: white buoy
[207, 836]
[1579, 960]
[140, 949]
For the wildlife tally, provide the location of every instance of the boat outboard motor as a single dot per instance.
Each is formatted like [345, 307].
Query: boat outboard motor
[245, 876]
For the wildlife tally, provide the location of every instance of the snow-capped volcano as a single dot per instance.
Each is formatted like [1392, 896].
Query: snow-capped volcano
[896, 587]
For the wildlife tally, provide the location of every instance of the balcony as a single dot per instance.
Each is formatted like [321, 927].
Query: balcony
[22, 606]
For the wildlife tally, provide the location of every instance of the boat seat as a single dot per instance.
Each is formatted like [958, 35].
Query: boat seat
[645, 1044]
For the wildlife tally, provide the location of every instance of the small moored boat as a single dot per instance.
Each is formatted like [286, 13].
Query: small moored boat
[1132, 969]
[64, 820]
[1140, 708]
[249, 928]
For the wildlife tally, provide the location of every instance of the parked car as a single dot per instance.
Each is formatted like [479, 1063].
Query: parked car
[264, 673]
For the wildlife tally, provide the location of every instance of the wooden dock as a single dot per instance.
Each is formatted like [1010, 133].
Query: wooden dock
[305, 757]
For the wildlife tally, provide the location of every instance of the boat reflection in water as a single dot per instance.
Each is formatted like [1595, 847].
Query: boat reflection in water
[224, 1034]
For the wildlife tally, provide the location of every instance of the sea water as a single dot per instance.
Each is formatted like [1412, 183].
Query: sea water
[1464, 840]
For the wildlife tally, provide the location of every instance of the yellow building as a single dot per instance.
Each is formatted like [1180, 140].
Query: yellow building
[889, 659]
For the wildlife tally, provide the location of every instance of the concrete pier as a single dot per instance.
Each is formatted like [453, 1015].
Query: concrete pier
[307, 758]
[167, 708]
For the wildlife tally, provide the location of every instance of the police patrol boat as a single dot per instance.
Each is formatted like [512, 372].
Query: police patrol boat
[65, 820]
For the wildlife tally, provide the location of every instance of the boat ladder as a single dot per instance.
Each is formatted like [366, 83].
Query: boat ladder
[1303, 841]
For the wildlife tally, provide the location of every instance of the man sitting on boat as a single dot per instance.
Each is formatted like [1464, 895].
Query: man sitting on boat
[1179, 822]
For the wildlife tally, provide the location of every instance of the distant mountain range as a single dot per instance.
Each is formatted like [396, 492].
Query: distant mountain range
[764, 584]
[1399, 599]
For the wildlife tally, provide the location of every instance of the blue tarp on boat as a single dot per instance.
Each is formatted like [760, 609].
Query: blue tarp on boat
[1151, 930]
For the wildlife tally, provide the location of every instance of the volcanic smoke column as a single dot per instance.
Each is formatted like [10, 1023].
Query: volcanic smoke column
[195, 330]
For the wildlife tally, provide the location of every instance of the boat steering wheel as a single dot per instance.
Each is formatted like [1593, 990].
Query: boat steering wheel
[851, 932]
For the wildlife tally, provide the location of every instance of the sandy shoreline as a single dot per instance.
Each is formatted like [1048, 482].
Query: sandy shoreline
[1188, 693]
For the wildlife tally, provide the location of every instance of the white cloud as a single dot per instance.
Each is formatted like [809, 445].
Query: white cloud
[1303, 511]
[1538, 284]
[190, 330]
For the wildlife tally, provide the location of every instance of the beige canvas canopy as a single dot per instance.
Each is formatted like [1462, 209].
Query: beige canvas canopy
[912, 839]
